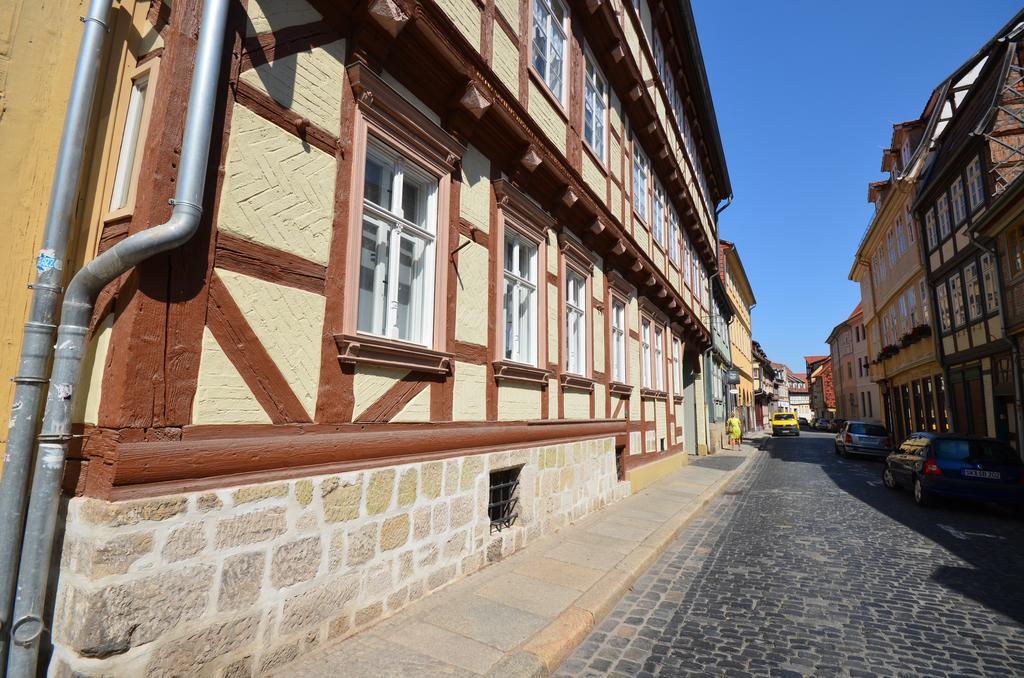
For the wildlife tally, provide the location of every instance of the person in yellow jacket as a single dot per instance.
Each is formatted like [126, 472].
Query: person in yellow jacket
[732, 425]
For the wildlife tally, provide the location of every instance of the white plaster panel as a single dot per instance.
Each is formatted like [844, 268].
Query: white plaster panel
[289, 323]
[475, 193]
[309, 83]
[273, 15]
[418, 409]
[222, 397]
[370, 383]
[593, 175]
[471, 293]
[598, 352]
[551, 123]
[518, 401]
[552, 323]
[469, 399]
[278, 191]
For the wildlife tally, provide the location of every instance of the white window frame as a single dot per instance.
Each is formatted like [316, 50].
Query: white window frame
[645, 351]
[929, 227]
[942, 209]
[956, 193]
[988, 277]
[975, 184]
[912, 307]
[618, 340]
[575, 322]
[923, 291]
[521, 349]
[677, 365]
[659, 358]
[901, 236]
[134, 130]
[891, 240]
[942, 298]
[674, 236]
[908, 223]
[395, 229]
[641, 169]
[972, 282]
[547, 27]
[595, 106]
[956, 300]
[658, 214]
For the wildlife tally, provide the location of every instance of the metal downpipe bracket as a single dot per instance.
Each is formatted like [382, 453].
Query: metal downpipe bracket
[40, 329]
[40, 526]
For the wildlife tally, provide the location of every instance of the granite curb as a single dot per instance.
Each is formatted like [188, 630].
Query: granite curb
[545, 650]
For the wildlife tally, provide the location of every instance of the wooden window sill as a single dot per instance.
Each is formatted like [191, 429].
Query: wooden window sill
[652, 394]
[368, 350]
[576, 382]
[517, 372]
[621, 389]
[678, 399]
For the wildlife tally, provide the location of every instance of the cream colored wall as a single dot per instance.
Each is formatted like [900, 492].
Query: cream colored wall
[544, 113]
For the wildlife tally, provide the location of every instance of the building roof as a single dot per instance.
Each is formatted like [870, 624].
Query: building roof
[859, 310]
[814, 358]
[730, 256]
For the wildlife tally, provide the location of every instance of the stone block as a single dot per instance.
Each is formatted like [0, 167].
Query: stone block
[240, 580]
[405, 565]
[431, 477]
[427, 556]
[185, 542]
[463, 510]
[253, 493]
[451, 477]
[455, 545]
[111, 620]
[100, 558]
[394, 532]
[369, 614]
[380, 491]
[339, 626]
[362, 544]
[421, 523]
[295, 561]
[241, 668]
[407, 487]
[439, 517]
[379, 581]
[341, 499]
[472, 468]
[336, 555]
[304, 611]
[304, 492]
[118, 514]
[208, 502]
[441, 577]
[251, 528]
[279, 656]
[398, 599]
[188, 656]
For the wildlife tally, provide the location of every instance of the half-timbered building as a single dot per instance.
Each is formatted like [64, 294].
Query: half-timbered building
[450, 291]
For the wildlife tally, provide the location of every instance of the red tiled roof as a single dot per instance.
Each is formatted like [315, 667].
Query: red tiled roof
[857, 311]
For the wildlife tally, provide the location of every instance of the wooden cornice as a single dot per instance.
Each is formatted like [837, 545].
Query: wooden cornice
[367, 350]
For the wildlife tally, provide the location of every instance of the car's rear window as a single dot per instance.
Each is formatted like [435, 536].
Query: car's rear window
[976, 451]
[868, 430]
[785, 417]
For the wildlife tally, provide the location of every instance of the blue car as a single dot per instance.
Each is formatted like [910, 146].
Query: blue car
[964, 467]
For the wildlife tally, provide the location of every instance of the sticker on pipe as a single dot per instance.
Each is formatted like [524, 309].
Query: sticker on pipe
[47, 261]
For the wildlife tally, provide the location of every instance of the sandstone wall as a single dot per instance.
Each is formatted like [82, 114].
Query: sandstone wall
[242, 580]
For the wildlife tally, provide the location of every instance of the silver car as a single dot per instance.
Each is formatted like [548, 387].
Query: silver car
[861, 437]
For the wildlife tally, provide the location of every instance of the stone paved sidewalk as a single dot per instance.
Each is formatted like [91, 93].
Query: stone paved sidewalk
[524, 615]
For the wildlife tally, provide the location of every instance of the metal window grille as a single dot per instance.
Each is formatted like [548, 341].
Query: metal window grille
[504, 498]
[620, 469]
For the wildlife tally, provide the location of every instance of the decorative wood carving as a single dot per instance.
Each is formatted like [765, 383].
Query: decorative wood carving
[596, 227]
[388, 16]
[575, 252]
[617, 52]
[569, 197]
[619, 247]
[509, 371]
[474, 101]
[524, 212]
[530, 159]
[620, 389]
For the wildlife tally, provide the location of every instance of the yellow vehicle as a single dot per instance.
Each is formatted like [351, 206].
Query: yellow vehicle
[785, 422]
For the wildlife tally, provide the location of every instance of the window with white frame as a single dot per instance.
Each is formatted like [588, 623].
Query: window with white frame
[912, 308]
[550, 19]
[943, 302]
[942, 207]
[956, 192]
[688, 261]
[595, 106]
[618, 341]
[677, 365]
[901, 236]
[673, 236]
[894, 323]
[131, 140]
[396, 268]
[520, 299]
[640, 169]
[575, 322]
[659, 358]
[975, 187]
[988, 276]
[929, 227]
[892, 249]
[908, 222]
[903, 314]
[658, 214]
[923, 288]
[956, 300]
[645, 352]
[973, 291]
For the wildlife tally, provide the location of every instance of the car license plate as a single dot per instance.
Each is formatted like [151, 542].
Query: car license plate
[973, 473]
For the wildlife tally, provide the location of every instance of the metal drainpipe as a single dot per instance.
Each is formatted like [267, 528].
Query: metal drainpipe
[1018, 386]
[33, 574]
[37, 342]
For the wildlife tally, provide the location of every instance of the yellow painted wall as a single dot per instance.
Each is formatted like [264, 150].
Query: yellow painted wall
[518, 401]
[471, 293]
[577, 404]
[547, 117]
[469, 400]
[505, 59]
[465, 14]
[475, 193]
[222, 396]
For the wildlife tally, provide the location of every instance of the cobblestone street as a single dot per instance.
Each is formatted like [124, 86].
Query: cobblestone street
[807, 565]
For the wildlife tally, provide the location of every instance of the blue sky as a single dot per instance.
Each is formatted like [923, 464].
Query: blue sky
[806, 95]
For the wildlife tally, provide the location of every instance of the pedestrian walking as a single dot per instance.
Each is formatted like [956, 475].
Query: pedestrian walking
[735, 433]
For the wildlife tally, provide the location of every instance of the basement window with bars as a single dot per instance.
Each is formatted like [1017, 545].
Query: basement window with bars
[503, 504]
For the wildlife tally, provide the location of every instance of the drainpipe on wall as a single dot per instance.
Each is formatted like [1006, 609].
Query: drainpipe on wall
[1018, 381]
[77, 310]
[37, 342]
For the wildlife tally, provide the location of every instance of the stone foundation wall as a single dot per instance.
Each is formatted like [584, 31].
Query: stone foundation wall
[239, 581]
